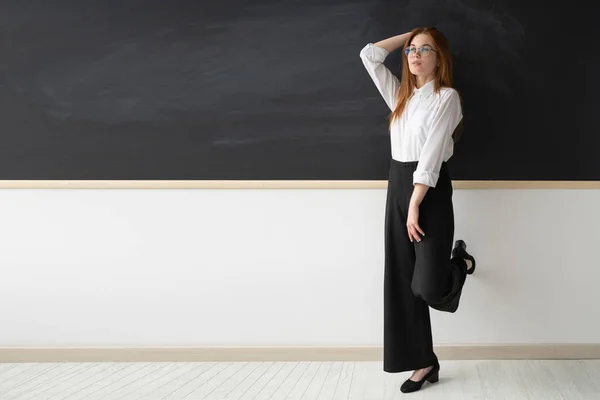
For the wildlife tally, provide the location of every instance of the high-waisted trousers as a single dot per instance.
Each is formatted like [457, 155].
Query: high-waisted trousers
[417, 275]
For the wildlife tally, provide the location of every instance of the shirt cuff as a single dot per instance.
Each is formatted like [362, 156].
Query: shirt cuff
[426, 178]
[374, 53]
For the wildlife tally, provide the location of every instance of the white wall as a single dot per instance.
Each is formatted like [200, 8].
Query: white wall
[281, 267]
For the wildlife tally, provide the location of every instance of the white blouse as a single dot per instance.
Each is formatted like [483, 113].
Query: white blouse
[424, 131]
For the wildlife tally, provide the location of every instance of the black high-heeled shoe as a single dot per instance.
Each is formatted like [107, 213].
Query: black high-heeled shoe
[432, 377]
[460, 251]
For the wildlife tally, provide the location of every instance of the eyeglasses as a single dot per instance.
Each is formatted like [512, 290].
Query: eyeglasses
[423, 51]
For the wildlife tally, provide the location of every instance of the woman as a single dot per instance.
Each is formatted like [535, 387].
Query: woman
[422, 269]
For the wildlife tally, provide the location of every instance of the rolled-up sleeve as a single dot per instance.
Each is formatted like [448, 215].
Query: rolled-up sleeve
[387, 83]
[447, 117]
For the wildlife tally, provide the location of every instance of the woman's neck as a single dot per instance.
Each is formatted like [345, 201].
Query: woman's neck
[423, 80]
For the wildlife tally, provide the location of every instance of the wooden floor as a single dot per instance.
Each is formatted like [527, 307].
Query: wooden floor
[460, 380]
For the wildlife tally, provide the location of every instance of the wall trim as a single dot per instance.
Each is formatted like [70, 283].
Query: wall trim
[355, 353]
[278, 184]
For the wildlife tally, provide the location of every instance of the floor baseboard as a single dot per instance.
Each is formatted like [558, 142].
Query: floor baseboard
[357, 353]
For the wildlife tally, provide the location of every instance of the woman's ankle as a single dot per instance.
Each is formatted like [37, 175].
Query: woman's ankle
[469, 264]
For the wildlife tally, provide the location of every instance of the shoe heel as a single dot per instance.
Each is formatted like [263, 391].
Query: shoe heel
[434, 378]
[460, 251]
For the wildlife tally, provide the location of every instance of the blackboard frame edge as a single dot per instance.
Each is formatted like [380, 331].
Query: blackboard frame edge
[279, 184]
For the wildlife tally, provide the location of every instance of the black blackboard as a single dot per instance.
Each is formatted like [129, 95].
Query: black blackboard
[275, 89]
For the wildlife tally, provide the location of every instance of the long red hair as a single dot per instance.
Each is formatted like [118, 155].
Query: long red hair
[443, 73]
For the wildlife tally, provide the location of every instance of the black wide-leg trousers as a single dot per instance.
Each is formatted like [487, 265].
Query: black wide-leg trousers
[418, 275]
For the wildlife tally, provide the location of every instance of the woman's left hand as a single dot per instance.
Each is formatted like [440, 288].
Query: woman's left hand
[412, 224]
